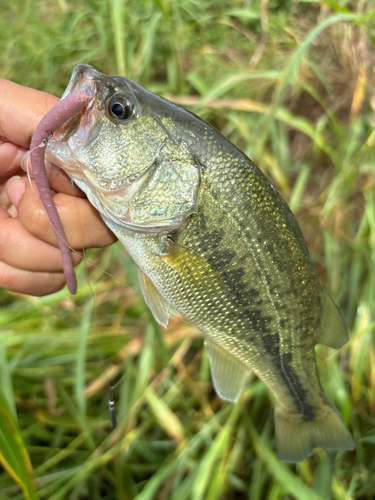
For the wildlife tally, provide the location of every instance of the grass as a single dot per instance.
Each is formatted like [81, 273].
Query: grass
[291, 84]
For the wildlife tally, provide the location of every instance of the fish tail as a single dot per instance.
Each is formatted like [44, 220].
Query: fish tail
[296, 438]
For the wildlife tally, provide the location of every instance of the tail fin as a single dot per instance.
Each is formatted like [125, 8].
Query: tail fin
[296, 439]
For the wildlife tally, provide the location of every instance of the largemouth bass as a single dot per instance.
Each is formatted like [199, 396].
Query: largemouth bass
[213, 238]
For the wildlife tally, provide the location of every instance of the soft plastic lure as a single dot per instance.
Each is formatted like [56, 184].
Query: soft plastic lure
[53, 120]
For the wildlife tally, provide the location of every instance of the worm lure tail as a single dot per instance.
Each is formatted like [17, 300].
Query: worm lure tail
[53, 120]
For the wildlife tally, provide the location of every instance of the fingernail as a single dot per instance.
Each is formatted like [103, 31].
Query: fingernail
[15, 188]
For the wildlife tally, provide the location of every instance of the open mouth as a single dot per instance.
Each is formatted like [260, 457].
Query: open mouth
[83, 74]
[80, 129]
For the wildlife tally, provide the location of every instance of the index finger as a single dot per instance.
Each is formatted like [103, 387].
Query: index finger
[21, 109]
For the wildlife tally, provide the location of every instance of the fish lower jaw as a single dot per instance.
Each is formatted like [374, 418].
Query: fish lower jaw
[71, 167]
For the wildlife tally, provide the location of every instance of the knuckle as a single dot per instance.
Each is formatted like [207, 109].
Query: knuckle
[77, 257]
[51, 283]
[33, 215]
[38, 224]
[9, 277]
[56, 283]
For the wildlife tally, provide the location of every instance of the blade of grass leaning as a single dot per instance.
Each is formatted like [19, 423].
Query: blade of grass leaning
[13, 453]
[81, 361]
[84, 471]
[323, 478]
[145, 363]
[282, 114]
[228, 82]
[142, 61]
[6, 379]
[98, 459]
[165, 417]
[226, 468]
[183, 453]
[214, 456]
[292, 484]
[76, 415]
[299, 188]
[293, 67]
[118, 29]
[62, 454]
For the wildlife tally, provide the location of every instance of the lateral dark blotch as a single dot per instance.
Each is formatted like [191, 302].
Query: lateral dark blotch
[297, 391]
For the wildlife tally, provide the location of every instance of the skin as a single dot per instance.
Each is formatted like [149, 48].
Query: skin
[30, 260]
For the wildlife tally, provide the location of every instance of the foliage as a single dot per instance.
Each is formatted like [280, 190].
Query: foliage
[291, 84]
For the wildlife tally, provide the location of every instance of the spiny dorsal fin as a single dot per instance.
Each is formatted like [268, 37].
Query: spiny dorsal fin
[333, 332]
[154, 299]
[228, 374]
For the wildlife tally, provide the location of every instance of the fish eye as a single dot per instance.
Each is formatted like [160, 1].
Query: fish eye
[119, 108]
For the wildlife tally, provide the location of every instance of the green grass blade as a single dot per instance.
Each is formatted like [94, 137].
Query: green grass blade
[13, 453]
[81, 361]
[291, 483]
[118, 29]
[295, 63]
[323, 480]
[291, 71]
[6, 379]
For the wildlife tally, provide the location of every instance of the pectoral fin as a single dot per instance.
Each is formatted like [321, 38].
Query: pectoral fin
[228, 374]
[154, 299]
[333, 331]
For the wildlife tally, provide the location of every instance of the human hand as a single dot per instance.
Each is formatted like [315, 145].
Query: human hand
[30, 260]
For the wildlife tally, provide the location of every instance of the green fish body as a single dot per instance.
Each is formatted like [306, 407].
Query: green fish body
[212, 238]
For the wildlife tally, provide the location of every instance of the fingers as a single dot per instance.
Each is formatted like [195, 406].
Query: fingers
[14, 190]
[10, 158]
[39, 257]
[33, 283]
[84, 228]
[21, 111]
[30, 261]
[57, 178]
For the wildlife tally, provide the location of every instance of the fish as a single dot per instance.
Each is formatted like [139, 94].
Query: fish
[213, 239]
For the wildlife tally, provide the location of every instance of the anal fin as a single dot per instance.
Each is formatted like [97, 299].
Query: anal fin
[154, 299]
[228, 374]
[333, 332]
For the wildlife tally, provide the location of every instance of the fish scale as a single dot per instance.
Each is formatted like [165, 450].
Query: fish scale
[213, 238]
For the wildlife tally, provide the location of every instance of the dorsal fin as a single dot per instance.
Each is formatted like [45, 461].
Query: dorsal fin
[333, 332]
[228, 374]
[154, 299]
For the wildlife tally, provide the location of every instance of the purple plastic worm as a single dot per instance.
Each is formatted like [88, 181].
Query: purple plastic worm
[54, 119]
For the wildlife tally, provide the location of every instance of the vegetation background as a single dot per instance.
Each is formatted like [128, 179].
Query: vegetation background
[292, 84]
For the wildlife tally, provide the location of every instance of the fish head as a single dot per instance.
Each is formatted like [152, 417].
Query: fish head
[129, 152]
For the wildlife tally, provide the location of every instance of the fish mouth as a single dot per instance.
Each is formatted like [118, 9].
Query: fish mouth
[82, 128]
[83, 74]
[65, 147]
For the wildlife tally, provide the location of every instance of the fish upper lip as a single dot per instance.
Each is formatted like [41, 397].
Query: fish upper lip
[83, 74]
